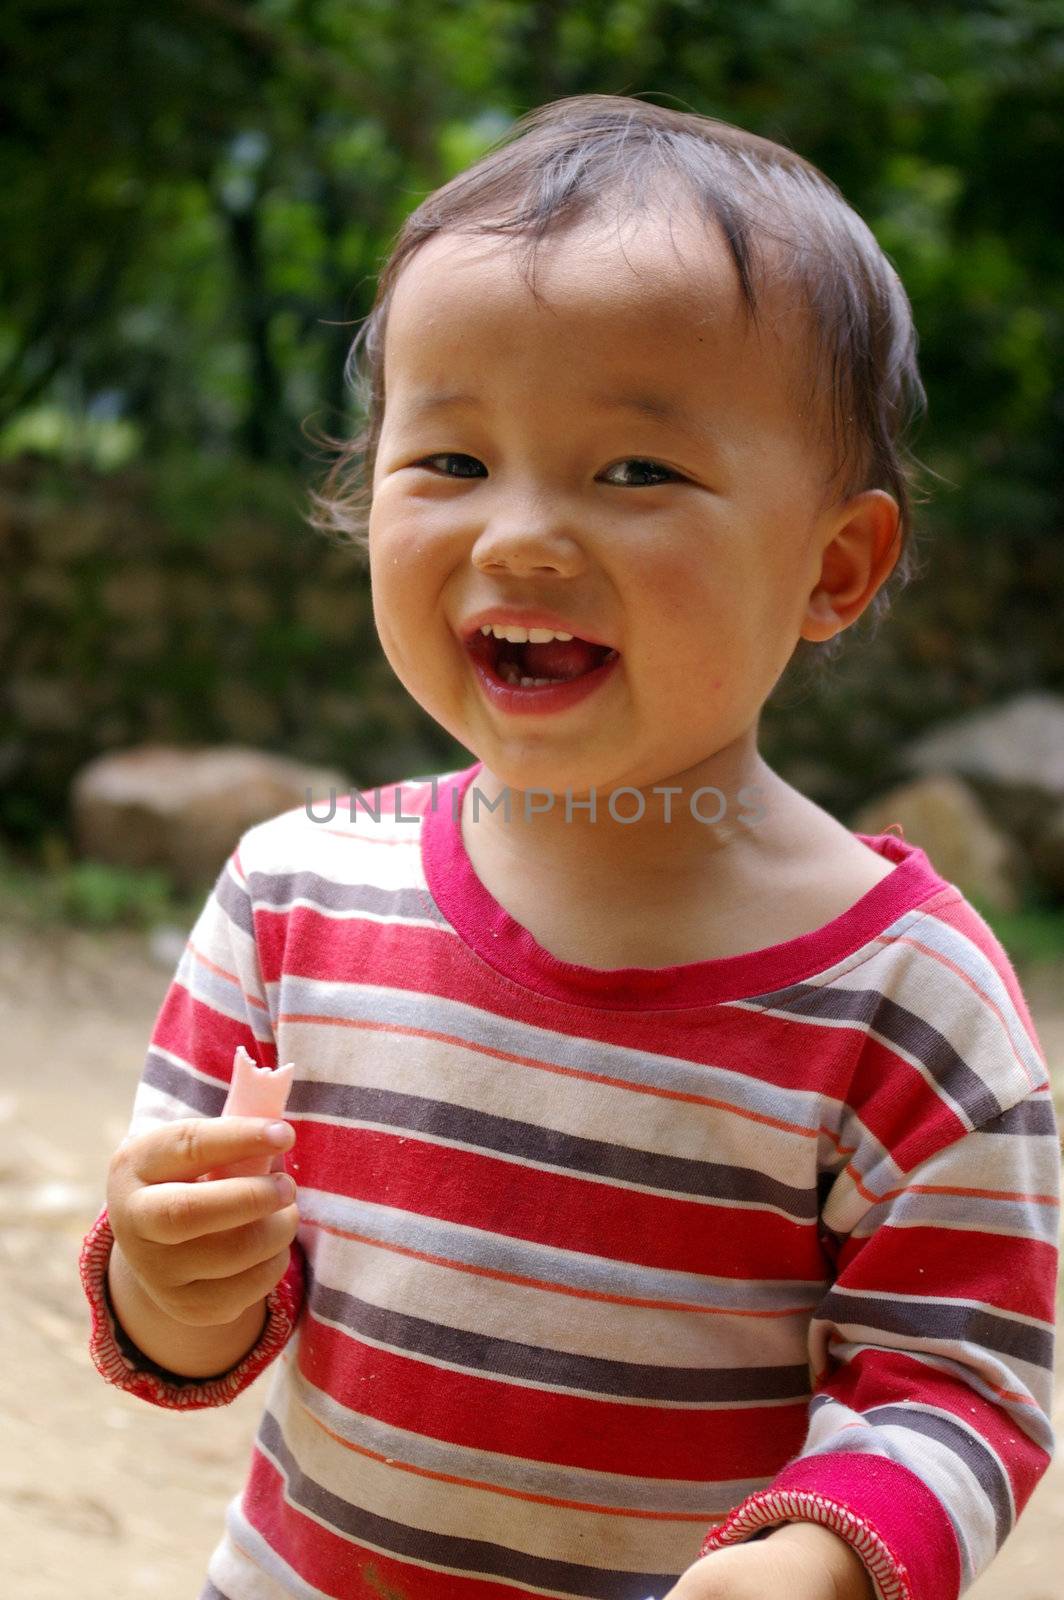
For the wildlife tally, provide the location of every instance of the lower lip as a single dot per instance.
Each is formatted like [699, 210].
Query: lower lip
[548, 697]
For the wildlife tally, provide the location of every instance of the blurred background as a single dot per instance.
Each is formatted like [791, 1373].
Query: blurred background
[195, 200]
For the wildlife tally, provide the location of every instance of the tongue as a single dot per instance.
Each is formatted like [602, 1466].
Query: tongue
[560, 658]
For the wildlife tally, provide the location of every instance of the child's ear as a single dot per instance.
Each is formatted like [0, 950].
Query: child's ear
[860, 549]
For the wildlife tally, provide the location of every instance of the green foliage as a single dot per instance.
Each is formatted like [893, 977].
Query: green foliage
[94, 894]
[196, 496]
[89, 894]
[196, 198]
[1031, 935]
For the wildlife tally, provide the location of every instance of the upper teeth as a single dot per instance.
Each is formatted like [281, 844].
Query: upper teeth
[517, 635]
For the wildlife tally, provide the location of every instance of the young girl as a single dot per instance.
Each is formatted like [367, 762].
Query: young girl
[675, 1171]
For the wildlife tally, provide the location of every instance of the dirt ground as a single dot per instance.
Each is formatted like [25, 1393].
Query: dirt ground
[101, 1494]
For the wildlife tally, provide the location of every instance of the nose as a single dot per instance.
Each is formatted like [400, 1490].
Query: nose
[525, 543]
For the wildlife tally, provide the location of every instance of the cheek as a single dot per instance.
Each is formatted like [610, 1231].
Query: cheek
[409, 535]
[408, 581]
[400, 552]
[689, 609]
[707, 618]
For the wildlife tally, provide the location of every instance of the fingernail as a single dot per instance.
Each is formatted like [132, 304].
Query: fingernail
[280, 1133]
[284, 1185]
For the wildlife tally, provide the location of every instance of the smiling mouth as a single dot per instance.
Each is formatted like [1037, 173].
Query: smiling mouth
[559, 661]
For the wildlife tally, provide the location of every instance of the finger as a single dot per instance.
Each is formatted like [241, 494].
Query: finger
[203, 1303]
[226, 1255]
[183, 1150]
[174, 1213]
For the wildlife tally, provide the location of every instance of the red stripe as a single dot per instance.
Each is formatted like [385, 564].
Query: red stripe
[1008, 1273]
[196, 1032]
[539, 1063]
[483, 1483]
[879, 1377]
[899, 1107]
[896, 1102]
[339, 1565]
[536, 1424]
[553, 1208]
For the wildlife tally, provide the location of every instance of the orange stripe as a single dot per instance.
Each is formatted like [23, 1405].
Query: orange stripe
[230, 977]
[946, 1188]
[991, 1005]
[580, 1075]
[926, 1358]
[544, 1284]
[499, 1488]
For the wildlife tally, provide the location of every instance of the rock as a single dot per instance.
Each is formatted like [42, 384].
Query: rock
[945, 819]
[183, 809]
[1011, 755]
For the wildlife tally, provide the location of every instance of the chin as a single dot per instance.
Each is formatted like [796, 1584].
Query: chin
[550, 774]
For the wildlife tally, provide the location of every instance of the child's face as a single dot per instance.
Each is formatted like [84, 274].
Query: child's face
[700, 576]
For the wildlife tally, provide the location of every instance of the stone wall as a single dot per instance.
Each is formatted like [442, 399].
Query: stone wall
[151, 605]
[123, 621]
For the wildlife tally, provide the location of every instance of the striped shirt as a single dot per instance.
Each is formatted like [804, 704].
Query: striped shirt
[599, 1271]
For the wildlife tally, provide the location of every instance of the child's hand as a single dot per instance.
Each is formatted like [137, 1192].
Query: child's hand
[802, 1561]
[203, 1252]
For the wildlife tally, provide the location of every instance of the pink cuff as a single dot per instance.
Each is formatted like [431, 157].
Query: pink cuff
[118, 1360]
[883, 1511]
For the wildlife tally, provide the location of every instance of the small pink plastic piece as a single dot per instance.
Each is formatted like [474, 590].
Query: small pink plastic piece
[255, 1092]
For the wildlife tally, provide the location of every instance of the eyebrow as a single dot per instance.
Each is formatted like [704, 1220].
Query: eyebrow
[657, 407]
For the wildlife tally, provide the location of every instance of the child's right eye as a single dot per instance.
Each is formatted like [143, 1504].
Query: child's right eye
[449, 455]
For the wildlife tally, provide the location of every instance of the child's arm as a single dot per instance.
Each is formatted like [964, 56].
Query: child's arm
[215, 1003]
[932, 1353]
[799, 1561]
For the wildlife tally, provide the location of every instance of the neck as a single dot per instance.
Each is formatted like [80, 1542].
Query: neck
[742, 816]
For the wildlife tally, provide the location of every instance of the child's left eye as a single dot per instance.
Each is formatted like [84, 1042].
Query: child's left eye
[643, 464]
[632, 461]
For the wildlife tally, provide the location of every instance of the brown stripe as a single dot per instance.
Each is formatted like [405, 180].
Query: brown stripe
[927, 1319]
[573, 1153]
[899, 1027]
[473, 1558]
[596, 1375]
[202, 1099]
[279, 890]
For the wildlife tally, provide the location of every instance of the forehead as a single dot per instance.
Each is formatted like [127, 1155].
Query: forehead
[655, 295]
[591, 271]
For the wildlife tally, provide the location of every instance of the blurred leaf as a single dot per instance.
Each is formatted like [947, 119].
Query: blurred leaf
[101, 896]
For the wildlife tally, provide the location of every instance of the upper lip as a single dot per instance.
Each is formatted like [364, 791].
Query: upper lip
[516, 617]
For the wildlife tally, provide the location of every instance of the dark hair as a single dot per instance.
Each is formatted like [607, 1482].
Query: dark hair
[562, 161]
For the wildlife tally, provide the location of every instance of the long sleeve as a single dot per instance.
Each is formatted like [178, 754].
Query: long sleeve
[215, 1002]
[931, 1355]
